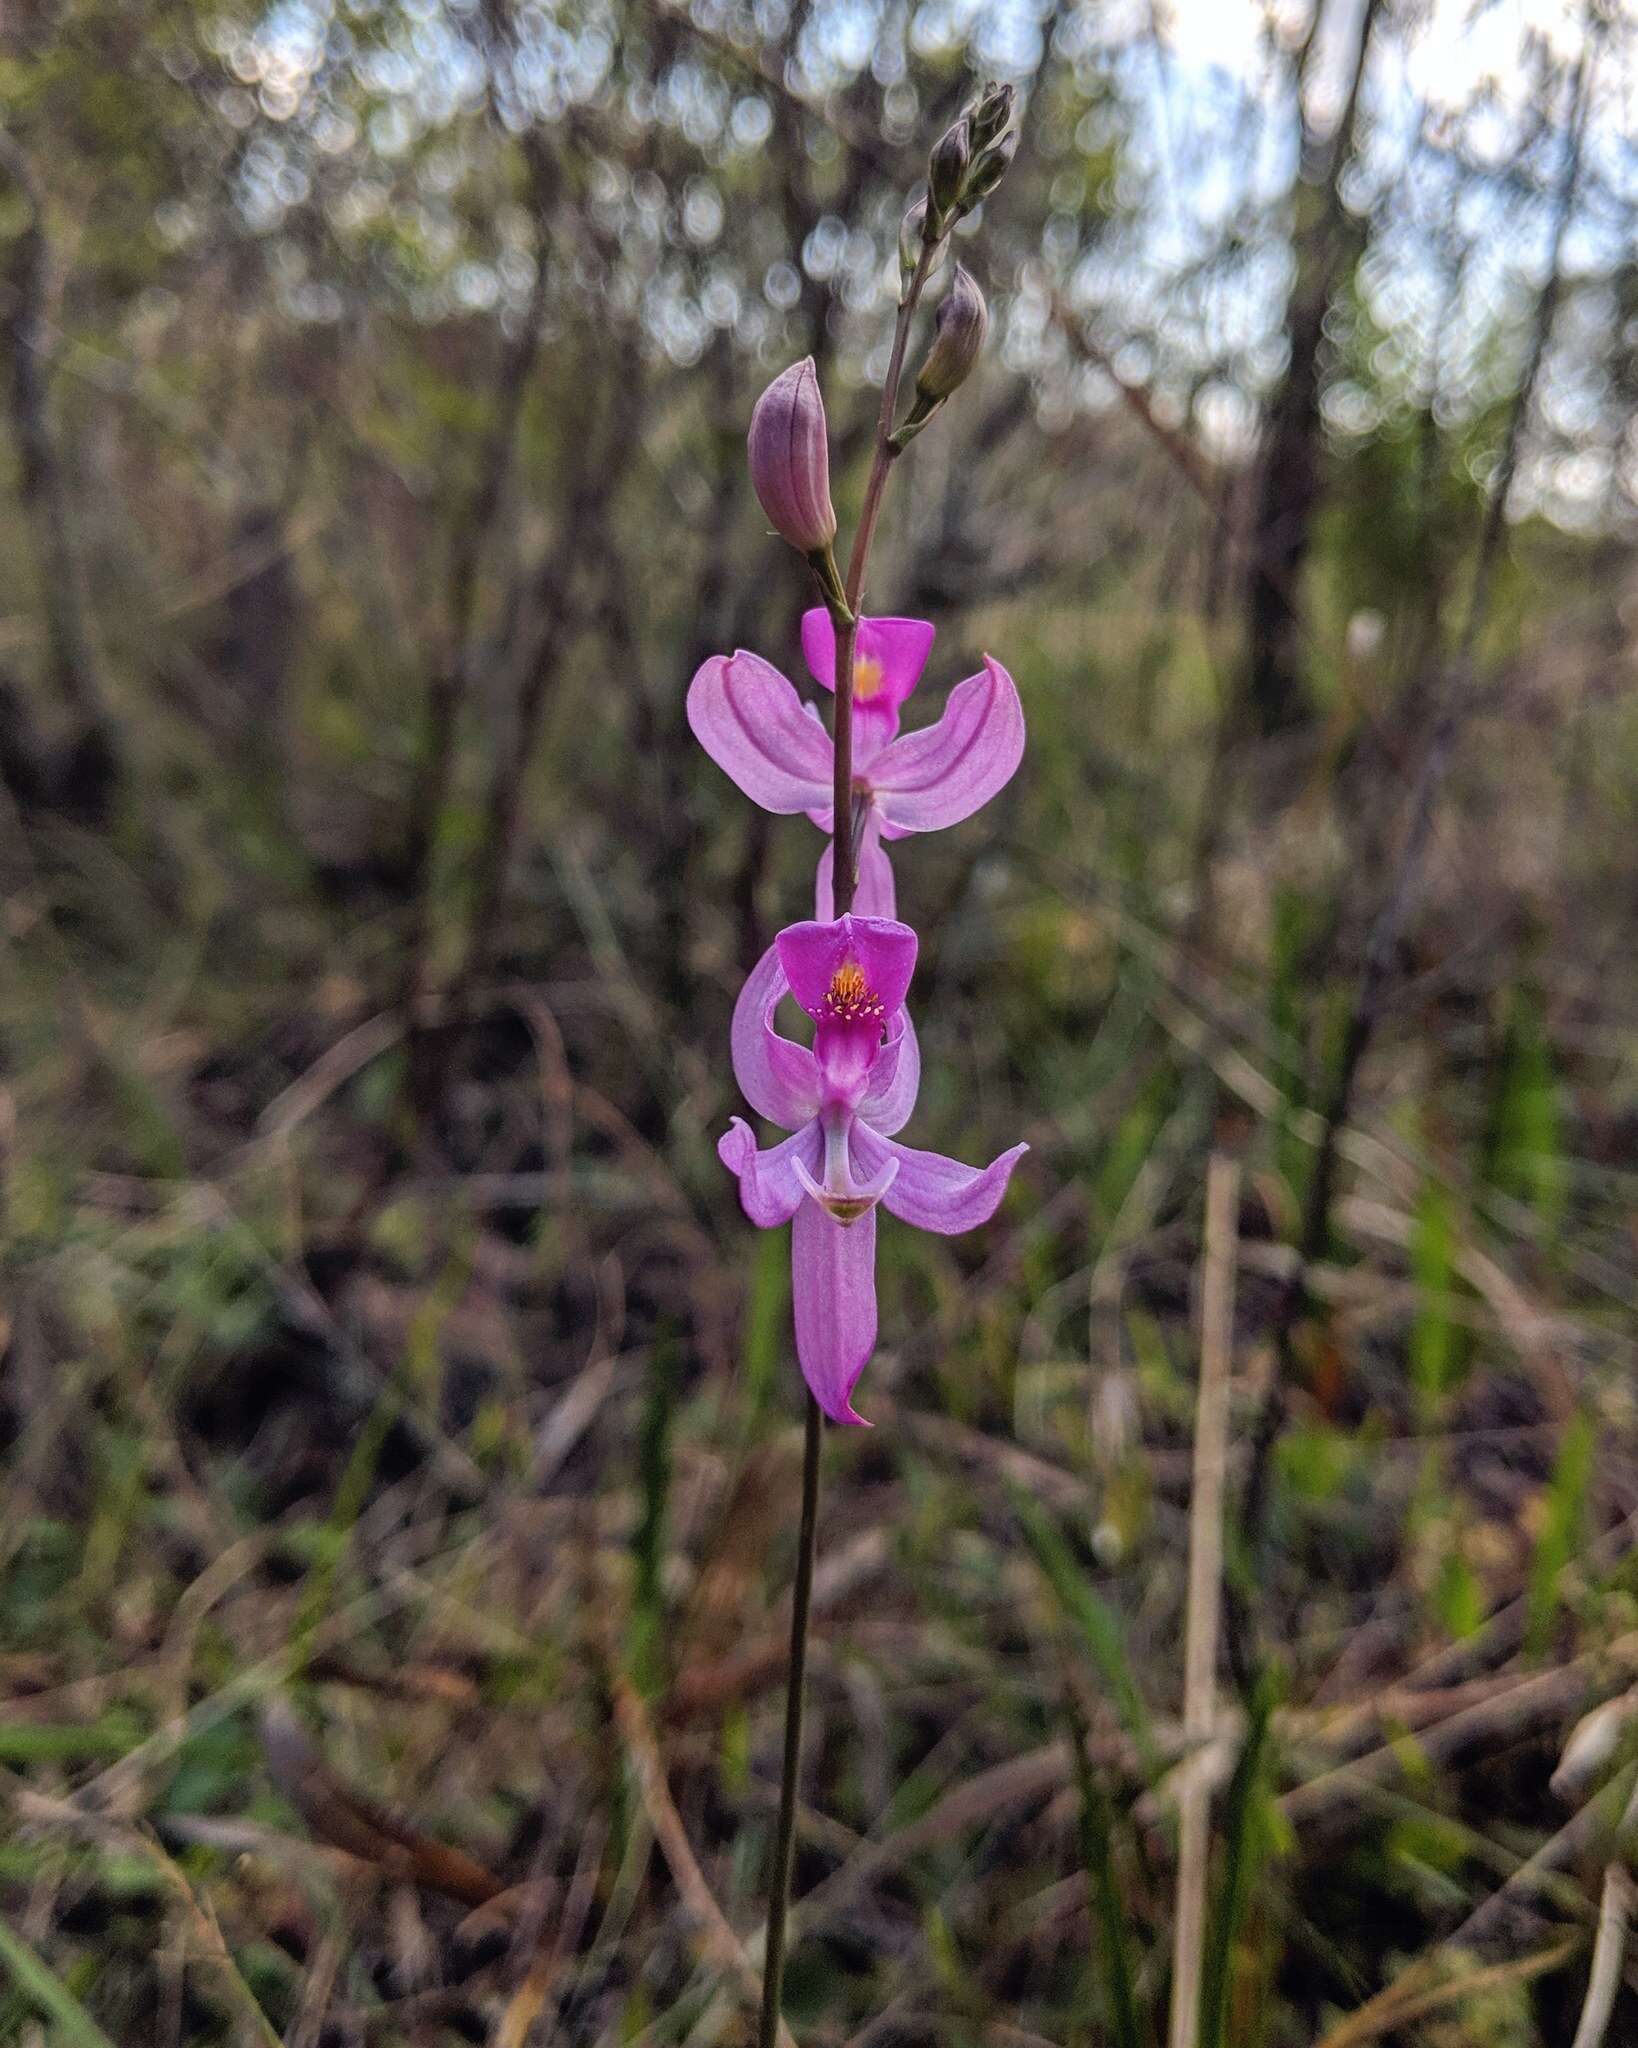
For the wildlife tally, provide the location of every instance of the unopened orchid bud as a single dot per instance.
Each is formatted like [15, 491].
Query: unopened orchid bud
[989, 168]
[962, 321]
[990, 114]
[958, 336]
[912, 233]
[790, 460]
[947, 169]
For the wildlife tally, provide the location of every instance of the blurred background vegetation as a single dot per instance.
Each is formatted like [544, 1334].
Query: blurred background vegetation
[395, 1406]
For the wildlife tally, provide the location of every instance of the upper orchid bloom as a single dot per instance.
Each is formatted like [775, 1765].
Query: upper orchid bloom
[750, 720]
[889, 656]
[842, 1101]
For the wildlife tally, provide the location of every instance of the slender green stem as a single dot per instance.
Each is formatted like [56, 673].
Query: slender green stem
[773, 1962]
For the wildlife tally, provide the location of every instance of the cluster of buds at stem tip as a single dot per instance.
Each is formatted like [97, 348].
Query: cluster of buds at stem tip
[969, 161]
[959, 329]
[789, 450]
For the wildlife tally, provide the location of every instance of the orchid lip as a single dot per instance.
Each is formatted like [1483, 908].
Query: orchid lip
[846, 1205]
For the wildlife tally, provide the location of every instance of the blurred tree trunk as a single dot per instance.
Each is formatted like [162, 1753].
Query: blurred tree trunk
[82, 783]
[1275, 694]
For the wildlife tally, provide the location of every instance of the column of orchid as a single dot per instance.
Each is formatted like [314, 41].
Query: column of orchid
[844, 1098]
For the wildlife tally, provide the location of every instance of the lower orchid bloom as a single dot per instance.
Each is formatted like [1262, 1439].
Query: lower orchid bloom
[750, 720]
[842, 1102]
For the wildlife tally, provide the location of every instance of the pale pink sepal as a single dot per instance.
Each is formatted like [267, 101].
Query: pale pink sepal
[929, 1190]
[778, 1078]
[944, 772]
[749, 719]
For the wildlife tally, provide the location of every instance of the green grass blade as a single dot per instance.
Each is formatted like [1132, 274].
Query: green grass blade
[48, 1993]
[1560, 1536]
[1241, 1832]
[1098, 1625]
[1108, 1911]
[1435, 1336]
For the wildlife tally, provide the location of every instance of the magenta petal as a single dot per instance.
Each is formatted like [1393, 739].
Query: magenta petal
[895, 1078]
[819, 645]
[883, 950]
[943, 773]
[749, 719]
[779, 1079]
[930, 1191]
[833, 1292]
[896, 651]
[770, 1183]
[875, 895]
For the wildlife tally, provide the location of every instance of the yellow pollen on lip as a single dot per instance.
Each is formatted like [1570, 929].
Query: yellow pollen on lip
[850, 999]
[867, 678]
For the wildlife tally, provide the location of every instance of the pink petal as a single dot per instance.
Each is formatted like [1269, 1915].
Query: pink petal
[943, 773]
[883, 950]
[874, 896]
[833, 1292]
[750, 720]
[899, 646]
[770, 1183]
[930, 1191]
[780, 1080]
[894, 1079]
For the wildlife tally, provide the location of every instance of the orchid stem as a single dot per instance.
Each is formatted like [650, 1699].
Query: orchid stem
[845, 859]
[844, 875]
[773, 1963]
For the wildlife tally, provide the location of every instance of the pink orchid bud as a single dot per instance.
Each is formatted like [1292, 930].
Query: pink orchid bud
[790, 459]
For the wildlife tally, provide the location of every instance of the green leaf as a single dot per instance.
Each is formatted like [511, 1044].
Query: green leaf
[1435, 1338]
[1560, 1537]
[1525, 1149]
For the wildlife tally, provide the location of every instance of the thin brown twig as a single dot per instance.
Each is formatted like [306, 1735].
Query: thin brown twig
[1609, 1952]
[1401, 2002]
[720, 1940]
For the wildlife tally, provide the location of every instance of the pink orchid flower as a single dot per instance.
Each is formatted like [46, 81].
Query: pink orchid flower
[750, 720]
[842, 1101]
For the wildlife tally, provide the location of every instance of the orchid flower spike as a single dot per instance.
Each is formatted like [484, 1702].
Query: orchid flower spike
[842, 1101]
[750, 720]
